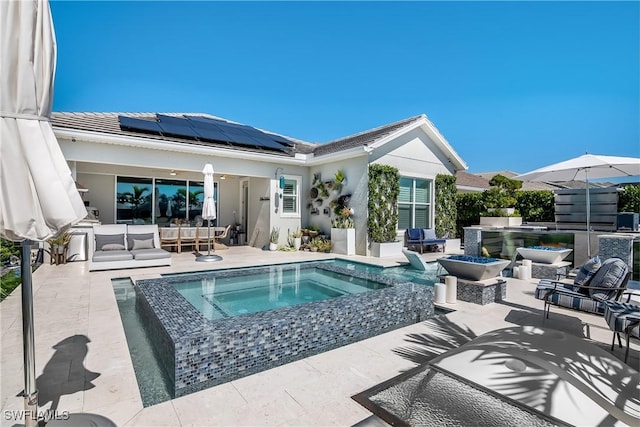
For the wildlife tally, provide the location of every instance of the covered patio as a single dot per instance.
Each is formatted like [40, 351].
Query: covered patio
[97, 377]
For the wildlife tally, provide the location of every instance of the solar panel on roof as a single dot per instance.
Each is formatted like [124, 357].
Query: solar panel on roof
[139, 124]
[176, 126]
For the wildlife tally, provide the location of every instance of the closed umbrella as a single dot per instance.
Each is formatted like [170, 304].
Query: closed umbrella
[38, 197]
[208, 212]
[583, 168]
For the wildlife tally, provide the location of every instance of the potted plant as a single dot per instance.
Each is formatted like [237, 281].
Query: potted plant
[343, 232]
[58, 244]
[500, 202]
[297, 239]
[384, 188]
[273, 238]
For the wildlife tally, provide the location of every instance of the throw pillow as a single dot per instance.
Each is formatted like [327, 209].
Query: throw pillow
[142, 244]
[113, 247]
[141, 236]
[586, 273]
[610, 275]
[108, 239]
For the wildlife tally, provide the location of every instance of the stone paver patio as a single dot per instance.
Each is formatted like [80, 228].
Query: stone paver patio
[71, 302]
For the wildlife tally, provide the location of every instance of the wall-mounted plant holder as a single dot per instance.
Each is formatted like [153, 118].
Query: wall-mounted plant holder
[319, 202]
[309, 205]
[313, 193]
[314, 211]
[317, 177]
[327, 211]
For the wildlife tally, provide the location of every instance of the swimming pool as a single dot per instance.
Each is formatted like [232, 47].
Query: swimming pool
[197, 348]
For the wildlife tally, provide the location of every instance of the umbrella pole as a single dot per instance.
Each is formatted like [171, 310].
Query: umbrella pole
[208, 257]
[586, 174]
[28, 347]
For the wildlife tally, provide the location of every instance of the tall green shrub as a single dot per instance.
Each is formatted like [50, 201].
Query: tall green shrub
[446, 210]
[384, 188]
[469, 206]
[629, 199]
[536, 205]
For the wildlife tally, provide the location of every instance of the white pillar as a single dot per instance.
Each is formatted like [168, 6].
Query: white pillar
[452, 288]
[441, 292]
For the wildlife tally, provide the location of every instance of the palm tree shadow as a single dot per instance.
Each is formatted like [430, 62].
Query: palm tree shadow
[443, 336]
[535, 387]
[65, 373]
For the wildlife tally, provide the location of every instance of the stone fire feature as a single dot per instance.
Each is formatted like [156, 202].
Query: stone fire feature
[198, 353]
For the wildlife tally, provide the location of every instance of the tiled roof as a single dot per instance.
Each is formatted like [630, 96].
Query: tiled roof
[363, 138]
[465, 179]
[108, 123]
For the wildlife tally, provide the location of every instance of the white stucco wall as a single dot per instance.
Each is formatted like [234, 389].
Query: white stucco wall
[355, 171]
[101, 194]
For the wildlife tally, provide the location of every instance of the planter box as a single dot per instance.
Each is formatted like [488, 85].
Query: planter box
[544, 256]
[384, 250]
[501, 221]
[473, 270]
[344, 241]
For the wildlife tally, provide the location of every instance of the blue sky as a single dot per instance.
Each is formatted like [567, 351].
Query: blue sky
[511, 85]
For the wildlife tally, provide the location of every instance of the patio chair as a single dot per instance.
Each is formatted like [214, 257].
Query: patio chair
[421, 237]
[170, 237]
[415, 260]
[188, 237]
[590, 295]
[221, 233]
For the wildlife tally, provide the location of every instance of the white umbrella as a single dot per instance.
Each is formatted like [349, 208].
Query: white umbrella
[38, 196]
[583, 168]
[208, 211]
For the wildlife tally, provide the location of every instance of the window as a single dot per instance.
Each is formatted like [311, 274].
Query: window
[145, 201]
[414, 203]
[133, 200]
[290, 197]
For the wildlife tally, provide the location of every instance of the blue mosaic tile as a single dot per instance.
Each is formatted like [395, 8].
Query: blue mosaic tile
[199, 353]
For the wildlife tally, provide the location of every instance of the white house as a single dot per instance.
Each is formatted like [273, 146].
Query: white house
[147, 168]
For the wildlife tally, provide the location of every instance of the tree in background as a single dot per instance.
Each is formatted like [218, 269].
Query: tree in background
[629, 199]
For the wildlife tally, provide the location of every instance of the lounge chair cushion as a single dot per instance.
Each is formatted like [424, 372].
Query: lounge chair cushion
[113, 247]
[141, 236]
[586, 273]
[429, 234]
[567, 297]
[414, 234]
[102, 256]
[154, 253]
[142, 244]
[108, 239]
[609, 275]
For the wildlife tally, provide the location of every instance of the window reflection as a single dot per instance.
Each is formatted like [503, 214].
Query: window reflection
[134, 200]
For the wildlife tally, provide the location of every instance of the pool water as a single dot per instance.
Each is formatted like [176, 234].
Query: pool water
[219, 297]
[153, 381]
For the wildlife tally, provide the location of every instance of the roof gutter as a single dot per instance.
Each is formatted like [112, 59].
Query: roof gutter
[154, 144]
[338, 156]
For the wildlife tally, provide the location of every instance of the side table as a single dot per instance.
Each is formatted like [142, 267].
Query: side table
[622, 318]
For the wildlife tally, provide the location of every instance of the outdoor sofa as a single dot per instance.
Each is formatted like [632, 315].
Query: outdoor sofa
[421, 237]
[116, 246]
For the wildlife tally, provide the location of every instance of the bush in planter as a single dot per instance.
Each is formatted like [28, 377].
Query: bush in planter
[536, 205]
[629, 199]
[502, 193]
[384, 188]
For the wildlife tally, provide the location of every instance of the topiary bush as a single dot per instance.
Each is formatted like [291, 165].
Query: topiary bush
[384, 188]
[446, 209]
[629, 199]
[536, 205]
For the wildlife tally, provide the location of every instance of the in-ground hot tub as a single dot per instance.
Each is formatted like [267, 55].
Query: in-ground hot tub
[473, 268]
[222, 340]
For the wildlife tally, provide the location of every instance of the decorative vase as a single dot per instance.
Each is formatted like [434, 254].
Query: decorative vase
[273, 246]
[297, 242]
